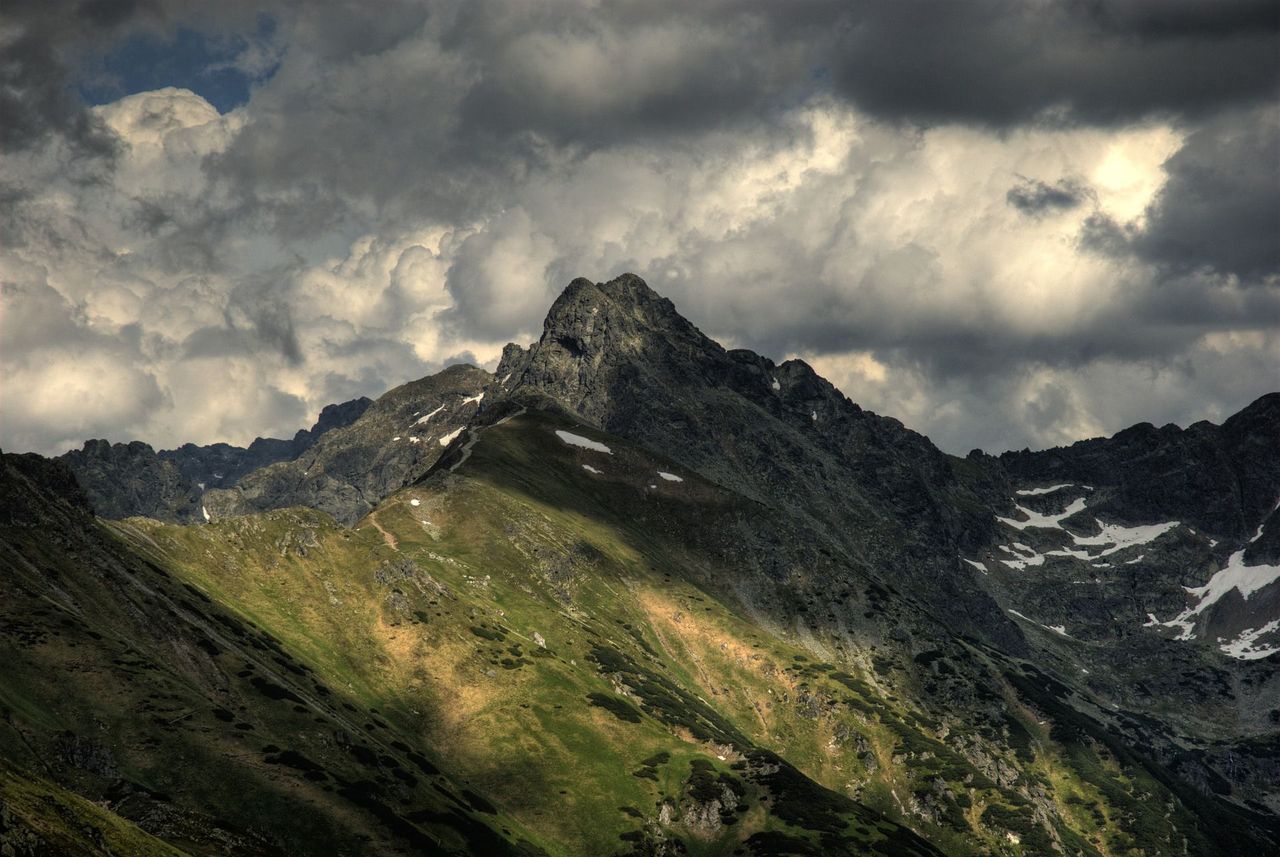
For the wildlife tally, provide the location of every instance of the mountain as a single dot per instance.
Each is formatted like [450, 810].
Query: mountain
[1168, 512]
[122, 480]
[219, 465]
[637, 594]
[1144, 565]
[350, 469]
[1221, 479]
[620, 357]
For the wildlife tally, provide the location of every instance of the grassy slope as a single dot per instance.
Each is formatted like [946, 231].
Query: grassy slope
[125, 686]
[428, 614]
[38, 813]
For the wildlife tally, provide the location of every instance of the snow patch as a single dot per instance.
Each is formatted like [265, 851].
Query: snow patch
[415, 502]
[397, 437]
[1057, 629]
[1246, 648]
[1112, 538]
[1032, 492]
[429, 416]
[1023, 562]
[473, 399]
[1044, 522]
[979, 566]
[1247, 579]
[1124, 537]
[584, 442]
[205, 512]
[776, 385]
[1236, 575]
[1069, 552]
[590, 469]
[670, 477]
[450, 437]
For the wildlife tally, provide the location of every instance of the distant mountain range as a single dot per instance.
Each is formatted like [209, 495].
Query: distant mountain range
[127, 479]
[634, 593]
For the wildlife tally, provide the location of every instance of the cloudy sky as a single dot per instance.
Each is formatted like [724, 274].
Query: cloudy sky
[1005, 223]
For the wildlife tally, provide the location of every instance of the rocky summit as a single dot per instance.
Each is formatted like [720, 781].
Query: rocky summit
[637, 594]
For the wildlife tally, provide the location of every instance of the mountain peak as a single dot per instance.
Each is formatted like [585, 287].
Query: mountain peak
[619, 357]
[631, 287]
[601, 314]
[625, 288]
[597, 334]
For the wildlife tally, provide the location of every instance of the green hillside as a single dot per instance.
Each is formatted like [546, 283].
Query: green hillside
[521, 654]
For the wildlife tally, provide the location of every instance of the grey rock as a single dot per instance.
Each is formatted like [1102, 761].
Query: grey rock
[127, 479]
[350, 469]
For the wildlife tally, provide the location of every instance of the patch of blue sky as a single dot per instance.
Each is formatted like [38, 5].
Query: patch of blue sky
[211, 66]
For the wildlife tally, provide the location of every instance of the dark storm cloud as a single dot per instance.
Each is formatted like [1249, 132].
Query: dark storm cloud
[274, 335]
[592, 77]
[1003, 63]
[588, 75]
[992, 62]
[1220, 208]
[107, 13]
[945, 351]
[437, 110]
[1171, 18]
[1101, 233]
[36, 101]
[264, 316]
[255, 320]
[1034, 197]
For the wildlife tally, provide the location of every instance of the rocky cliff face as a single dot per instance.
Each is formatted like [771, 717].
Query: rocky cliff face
[1173, 532]
[127, 479]
[982, 541]
[32, 482]
[1123, 557]
[220, 465]
[349, 469]
[1223, 479]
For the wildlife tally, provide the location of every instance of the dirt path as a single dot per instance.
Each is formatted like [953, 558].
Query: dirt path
[473, 435]
[386, 536]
